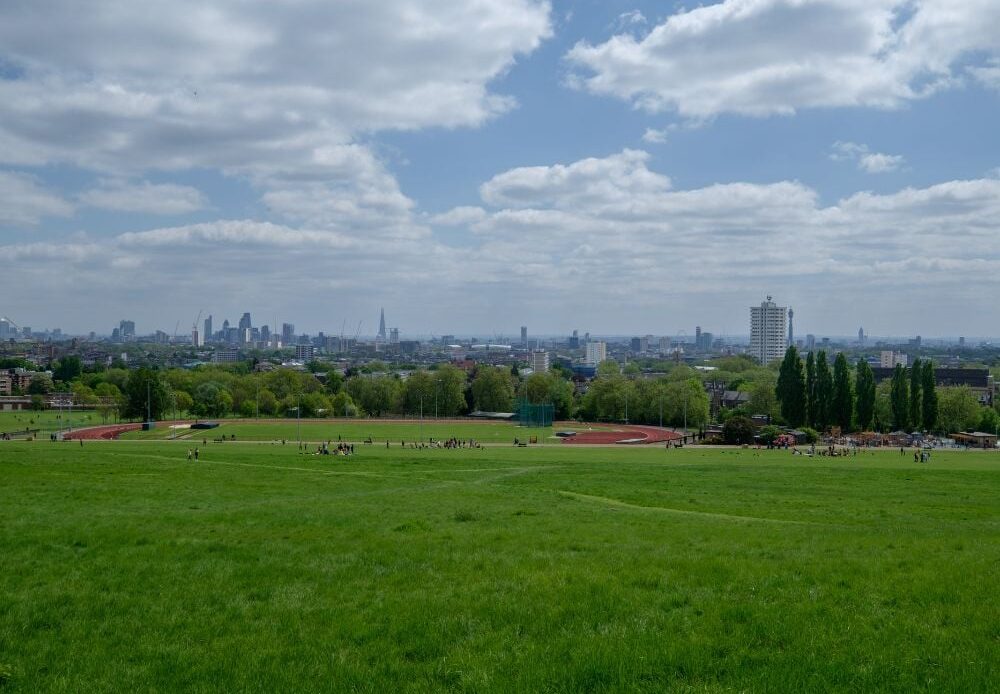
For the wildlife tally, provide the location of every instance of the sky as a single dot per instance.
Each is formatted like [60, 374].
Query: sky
[477, 165]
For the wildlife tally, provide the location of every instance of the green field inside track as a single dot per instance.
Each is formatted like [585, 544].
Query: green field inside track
[47, 421]
[314, 430]
[124, 567]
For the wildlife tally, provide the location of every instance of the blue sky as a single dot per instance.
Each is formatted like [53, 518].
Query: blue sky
[617, 167]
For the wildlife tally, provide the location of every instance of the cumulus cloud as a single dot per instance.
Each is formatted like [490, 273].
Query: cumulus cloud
[24, 201]
[866, 160]
[143, 196]
[586, 237]
[761, 57]
[277, 94]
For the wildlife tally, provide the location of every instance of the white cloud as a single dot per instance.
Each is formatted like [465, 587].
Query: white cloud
[762, 57]
[459, 216]
[866, 160]
[279, 94]
[655, 137]
[150, 198]
[25, 202]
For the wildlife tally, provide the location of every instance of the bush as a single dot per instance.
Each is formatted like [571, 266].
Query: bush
[738, 430]
[812, 436]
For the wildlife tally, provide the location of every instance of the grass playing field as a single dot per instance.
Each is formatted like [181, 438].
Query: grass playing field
[125, 567]
[316, 430]
[47, 421]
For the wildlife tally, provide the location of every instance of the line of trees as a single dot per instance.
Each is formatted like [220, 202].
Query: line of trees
[811, 394]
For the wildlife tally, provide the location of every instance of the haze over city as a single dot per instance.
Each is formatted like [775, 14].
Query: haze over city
[479, 166]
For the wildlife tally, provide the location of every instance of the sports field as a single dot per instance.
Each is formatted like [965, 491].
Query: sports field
[125, 567]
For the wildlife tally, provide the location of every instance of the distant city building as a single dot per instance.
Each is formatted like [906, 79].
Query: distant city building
[889, 359]
[703, 340]
[226, 355]
[810, 343]
[265, 334]
[596, 353]
[791, 329]
[304, 352]
[861, 336]
[635, 345]
[197, 339]
[287, 333]
[381, 326]
[126, 330]
[574, 340]
[768, 337]
[209, 336]
[961, 342]
[539, 361]
[524, 336]
[394, 336]
[245, 323]
[664, 345]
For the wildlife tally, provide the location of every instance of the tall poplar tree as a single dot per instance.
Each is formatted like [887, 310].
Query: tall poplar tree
[824, 391]
[930, 403]
[864, 391]
[791, 388]
[916, 399]
[812, 406]
[899, 399]
[842, 402]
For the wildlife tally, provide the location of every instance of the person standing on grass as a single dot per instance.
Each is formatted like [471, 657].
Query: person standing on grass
[189, 454]
[196, 454]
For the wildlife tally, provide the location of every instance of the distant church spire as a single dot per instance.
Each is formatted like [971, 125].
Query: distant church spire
[791, 330]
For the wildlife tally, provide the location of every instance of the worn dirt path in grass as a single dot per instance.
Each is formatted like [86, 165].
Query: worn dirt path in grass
[617, 503]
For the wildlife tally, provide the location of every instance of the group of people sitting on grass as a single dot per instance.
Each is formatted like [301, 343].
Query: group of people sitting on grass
[432, 443]
[328, 449]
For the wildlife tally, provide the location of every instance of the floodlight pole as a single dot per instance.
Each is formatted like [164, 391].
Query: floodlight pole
[298, 420]
[421, 418]
[626, 407]
[149, 416]
[661, 411]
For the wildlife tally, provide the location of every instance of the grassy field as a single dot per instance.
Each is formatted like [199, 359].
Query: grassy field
[48, 421]
[125, 567]
[315, 430]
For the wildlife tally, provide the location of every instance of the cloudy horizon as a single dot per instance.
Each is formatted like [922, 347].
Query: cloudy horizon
[617, 168]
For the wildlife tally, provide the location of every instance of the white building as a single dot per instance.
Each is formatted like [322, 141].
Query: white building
[596, 353]
[768, 331]
[304, 352]
[539, 361]
[888, 359]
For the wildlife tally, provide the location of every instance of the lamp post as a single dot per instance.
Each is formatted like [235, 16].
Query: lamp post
[421, 418]
[298, 420]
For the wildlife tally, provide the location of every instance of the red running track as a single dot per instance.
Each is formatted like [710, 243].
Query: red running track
[627, 435]
[111, 431]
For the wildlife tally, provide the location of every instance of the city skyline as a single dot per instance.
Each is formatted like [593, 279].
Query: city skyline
[502, 163]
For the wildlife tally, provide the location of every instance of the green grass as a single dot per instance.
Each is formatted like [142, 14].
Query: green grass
[315, 430]
[124, 567]
[48, 421]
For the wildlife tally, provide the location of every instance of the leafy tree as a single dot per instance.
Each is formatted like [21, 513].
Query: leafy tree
[763, 396]
[376, 395]
[212, 400]
[916, 398]
[542, 388]
[989, 421]
[738, 430]
[334, 382]
[811, 435]
[67, 369]
[883, 406]
[791, 388]
[812, 395]
[267, 402]
[864, 388]
[688, 403]
[492, 390]
[183, 401]
[824, 392]
[143, 382]
[41, 384]
[929, 410]
[769, 434]
[37, 403]
[900, 399]
[418, 393]
[343, 406]
[842, 404]
[958, 409]
[450, 389]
